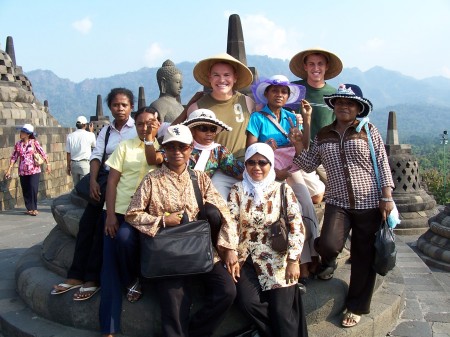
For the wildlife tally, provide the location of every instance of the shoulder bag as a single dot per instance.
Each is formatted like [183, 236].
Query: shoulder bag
[280, 228]
[181, 250]
[385, 250]
[83, 186]
[38, 160]
[283, 155]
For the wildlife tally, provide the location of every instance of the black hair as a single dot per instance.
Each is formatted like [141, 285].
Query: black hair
[147, 109]
[119, 91]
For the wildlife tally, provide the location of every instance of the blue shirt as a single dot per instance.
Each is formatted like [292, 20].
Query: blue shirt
[262, 128]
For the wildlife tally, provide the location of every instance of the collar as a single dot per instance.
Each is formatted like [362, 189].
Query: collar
[129, 123]
[283, 112]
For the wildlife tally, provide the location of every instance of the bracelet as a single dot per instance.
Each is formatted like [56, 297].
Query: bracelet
[387, 199]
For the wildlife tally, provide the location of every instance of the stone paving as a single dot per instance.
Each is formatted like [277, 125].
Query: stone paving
[427, 290]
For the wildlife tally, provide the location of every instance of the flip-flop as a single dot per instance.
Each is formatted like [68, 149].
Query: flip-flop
[89, 291]
[351, 318]
[66, 287]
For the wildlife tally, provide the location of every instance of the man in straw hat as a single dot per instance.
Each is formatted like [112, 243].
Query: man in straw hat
[224, 75]
[354, 201]
[314, 66]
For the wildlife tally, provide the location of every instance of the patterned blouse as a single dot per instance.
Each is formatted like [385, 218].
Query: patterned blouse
[24, 153]
[351, 181]
[252, 225]
[163, 190]
[220, 158]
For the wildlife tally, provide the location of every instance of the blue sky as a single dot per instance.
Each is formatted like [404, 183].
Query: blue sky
[99, 38]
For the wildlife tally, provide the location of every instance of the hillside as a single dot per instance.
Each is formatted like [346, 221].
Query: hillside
[422, 106]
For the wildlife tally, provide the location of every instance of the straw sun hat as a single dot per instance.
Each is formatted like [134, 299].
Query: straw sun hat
[202, 68]
[298, 61]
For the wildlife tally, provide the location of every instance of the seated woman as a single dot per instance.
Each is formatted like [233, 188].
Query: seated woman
[271, 125]
[165, 197]
[266, 279]
[120, 268]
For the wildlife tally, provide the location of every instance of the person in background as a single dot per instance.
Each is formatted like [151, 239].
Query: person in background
[353, 200]
[84, 272]
[79, 147]
[271, 126]
[314, 67]
[224, 75]
[29, 171]
[166, 198]
[121, 268]
[266, 280]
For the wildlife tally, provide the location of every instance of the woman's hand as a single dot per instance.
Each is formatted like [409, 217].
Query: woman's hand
[94, 190]
[283, 174]
[173, 219]
[8, 173]
[306, 108]
[386, 208]
[231, 262]
[292, 272]
[48, 169]
[111, 225]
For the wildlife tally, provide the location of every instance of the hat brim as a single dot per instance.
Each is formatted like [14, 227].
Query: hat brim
[202, 121]
[202, 69]
[26, 131]
[365, 103]
[296, 65]
[297, 92]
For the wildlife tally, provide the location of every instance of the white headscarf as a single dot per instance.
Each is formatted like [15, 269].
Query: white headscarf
[257, 188]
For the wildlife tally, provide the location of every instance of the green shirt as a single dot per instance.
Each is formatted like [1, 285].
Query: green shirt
[322, 115]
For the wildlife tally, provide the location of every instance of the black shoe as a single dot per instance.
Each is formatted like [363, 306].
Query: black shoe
[325, 272]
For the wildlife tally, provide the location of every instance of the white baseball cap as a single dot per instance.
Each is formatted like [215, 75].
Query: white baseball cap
[27, 128]
[82, 120]
[178, 133]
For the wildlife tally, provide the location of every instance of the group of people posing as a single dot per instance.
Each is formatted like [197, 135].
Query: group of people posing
[241, 150]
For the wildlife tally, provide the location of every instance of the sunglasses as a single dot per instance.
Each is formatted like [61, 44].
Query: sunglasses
[174, 148]
[260, 163]
[206, 128]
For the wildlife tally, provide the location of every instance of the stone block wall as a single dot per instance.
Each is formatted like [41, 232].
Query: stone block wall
[51, 136]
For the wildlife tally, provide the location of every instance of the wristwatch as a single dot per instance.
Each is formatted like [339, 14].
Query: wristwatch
[148, 142]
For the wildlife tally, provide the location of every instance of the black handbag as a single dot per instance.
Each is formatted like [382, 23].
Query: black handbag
[180, 250]
[279, 229]
[385, 251]
[83, 186]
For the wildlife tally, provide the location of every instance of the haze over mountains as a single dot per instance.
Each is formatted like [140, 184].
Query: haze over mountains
[422, 106]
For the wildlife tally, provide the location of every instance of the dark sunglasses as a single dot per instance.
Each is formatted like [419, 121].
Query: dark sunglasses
[260, 163]
[173, 148]
[206, 128]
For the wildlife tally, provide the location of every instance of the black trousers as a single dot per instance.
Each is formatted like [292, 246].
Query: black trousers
[277, 312]
[87, 257]
[336, 227]
[175, 301]
[30, 188]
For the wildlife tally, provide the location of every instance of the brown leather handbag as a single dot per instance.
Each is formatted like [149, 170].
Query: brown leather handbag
[280, 228]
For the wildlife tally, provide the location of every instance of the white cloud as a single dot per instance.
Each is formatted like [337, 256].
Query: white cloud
[83, 26]
[446, 71]
[155, 54]
[374, 44]
[264, 37]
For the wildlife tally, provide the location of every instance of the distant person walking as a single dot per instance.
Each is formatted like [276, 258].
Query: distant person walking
[79, 147]
[29, 170]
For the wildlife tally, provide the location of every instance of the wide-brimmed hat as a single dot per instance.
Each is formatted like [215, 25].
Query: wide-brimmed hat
[350, 91]
[27, 128]
[205, 116]
[82, 120]
[202, 69]
[297, 91]
[298, 61]
[178, 133]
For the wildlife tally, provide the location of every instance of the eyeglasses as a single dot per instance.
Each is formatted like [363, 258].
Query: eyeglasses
[206, 128]
[173, 148]
[260, 163]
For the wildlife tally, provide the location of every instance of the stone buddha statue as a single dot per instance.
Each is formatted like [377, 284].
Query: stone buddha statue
[170, 82]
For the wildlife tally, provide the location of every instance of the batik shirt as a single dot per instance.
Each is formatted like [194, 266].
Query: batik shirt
[24, 153]
[220, 158]
[252, 226]
[351, 180]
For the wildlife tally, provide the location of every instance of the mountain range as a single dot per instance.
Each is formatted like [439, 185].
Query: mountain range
[422, 106]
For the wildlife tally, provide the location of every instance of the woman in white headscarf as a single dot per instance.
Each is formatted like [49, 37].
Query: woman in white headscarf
[266, 280]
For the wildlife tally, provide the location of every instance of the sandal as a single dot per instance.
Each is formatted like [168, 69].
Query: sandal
[63, 288]
[350, 319]
[134, 292]
[85, 293]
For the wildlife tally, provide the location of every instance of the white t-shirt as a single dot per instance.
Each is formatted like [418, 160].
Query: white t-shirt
[79, 144]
